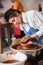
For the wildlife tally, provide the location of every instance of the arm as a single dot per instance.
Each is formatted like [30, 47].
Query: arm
[26, 38]
[35, 35]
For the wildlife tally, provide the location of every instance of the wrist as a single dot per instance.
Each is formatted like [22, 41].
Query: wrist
[33, 36]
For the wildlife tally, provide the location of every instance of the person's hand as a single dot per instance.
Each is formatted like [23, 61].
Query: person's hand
[25, 39]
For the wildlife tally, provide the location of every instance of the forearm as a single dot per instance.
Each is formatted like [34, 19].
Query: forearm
[26, 38]
[33, 36]
[37, 34]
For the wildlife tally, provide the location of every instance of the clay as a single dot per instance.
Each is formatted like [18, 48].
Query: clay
[26, 46]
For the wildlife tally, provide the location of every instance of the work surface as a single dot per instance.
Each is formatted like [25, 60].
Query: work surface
[30, 59]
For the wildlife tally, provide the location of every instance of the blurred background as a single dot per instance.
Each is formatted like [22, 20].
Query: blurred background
[28, 5]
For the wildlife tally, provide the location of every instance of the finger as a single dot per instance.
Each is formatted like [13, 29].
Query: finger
[21, 40]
